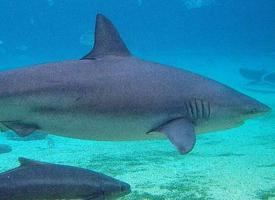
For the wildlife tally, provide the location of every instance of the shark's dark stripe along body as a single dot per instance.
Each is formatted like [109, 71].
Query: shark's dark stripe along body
[111, 95]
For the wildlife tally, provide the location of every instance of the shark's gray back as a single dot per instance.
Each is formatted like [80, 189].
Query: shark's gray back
[113, 83]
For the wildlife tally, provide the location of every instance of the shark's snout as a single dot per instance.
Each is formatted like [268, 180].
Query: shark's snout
[264, 109]
[125, 188]
[258, 108]
[114, 189]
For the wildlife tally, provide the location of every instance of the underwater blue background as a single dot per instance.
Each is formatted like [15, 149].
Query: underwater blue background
[210, 37]
[51, 29]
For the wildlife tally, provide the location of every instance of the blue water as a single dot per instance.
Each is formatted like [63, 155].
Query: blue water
[211, 37]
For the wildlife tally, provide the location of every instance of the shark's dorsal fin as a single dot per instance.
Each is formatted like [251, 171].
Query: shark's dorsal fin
[28, 162]
[107, 40]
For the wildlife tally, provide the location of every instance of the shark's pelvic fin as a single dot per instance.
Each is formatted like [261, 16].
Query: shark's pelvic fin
[181, 133]
[20, 128]
[107, 40]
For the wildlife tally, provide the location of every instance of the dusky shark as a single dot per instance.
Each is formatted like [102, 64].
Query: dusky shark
[253, 75]
[270, 78]
[261, 81]
[34, 180]
[258, 76]
[110, 94]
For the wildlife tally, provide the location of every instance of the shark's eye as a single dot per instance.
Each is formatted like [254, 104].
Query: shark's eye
[253, 111]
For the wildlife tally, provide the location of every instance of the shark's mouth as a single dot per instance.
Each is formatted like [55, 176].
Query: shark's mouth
[216, 125]
[259, 114]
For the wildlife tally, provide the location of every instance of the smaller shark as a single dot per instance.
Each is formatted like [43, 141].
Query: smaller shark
[34, 180]
[261, 81]
[270, 78]
[252, 75]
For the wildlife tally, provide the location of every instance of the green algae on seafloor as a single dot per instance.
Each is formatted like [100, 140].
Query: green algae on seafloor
[194, 187]
[217, 155]
[191, 189]
[213, 142]
[266, 194]
[230, 155]
[143, 196]
[267, 165]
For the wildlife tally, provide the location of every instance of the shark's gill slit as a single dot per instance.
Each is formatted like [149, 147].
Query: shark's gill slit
[203, 108]
[193, 104]
[190, 111]
[208, 110]
[197, 109]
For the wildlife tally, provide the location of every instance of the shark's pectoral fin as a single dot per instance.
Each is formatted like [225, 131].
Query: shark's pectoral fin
[181, 133]
[21, 129]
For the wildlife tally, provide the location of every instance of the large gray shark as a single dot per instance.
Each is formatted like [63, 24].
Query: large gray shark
[34, 180]
[111, 95]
